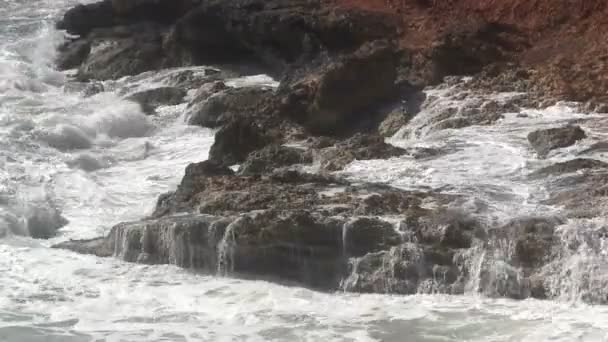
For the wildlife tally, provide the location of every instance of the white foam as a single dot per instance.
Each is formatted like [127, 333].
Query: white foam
[67, 137]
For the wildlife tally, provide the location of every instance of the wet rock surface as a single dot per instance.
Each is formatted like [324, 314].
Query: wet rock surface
[225, 106]
[358, 147]
[544, 141]
[236, 140]
[273, 157]
[570, 166]
[150, 99]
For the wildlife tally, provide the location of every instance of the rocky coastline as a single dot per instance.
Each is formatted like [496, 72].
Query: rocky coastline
[351, 73]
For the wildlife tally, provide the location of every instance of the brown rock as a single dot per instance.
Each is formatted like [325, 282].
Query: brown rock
[543, 141]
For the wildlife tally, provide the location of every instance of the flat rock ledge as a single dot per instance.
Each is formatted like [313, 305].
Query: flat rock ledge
[328, 234]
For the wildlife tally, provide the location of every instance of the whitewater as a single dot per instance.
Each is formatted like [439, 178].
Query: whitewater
[96, 161]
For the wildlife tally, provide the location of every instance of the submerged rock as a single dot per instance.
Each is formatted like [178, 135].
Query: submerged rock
[543, 141]
[150, 99]
[570, 166]
[583, 193]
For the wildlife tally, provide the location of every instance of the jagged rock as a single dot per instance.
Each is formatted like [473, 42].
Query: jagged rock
[528, 242]
[406, 269]
[164, 11]
[359, 147]
[543, 141]
[82, 19]
[236, 140]
[464, 51]
[569, 166]
[205, 91]
[276, 32]
[150, 99]
[123, 51]
[393, 122]
[72, 54]
[293, 246]
[366, 77]
[225, 106]
[583, 193]
[448, 229]
[367, 235]
[272, 157]
[516, 255]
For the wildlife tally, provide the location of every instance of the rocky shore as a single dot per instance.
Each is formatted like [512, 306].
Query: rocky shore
[268, 203]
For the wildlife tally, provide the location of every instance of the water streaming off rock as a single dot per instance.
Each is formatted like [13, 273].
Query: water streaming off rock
[85, 163]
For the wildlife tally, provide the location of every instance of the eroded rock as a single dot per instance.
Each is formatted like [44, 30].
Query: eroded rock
[543, 141]
[366, 77]
[236, 140]
[225, 106]
[569, 166]
[273, 157]
[359, 147]
[150, 99]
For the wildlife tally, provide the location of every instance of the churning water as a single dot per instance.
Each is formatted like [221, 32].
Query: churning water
[96, 161]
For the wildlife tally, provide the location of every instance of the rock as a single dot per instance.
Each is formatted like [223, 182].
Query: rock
[235, 140]
[569, 166]
[93, 88]
[82, 19]
[205, 91]
[288, 226]
[226, 106]
[366, 77]
[368, 235]
[449, 229]
[528, 242]
[600, 147]
[406, 269]
[113, 56]
[153, 98]
[277, 32]
[97, 247]
[359, 147]
[295, 246]
[543, 141]
[195, 180]
[72, 54]
[290, 247]
[163, 11]
[581, 194]
[393, 122]
[43, 223]
[467, 49]
[273, 157]
[207, 82]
